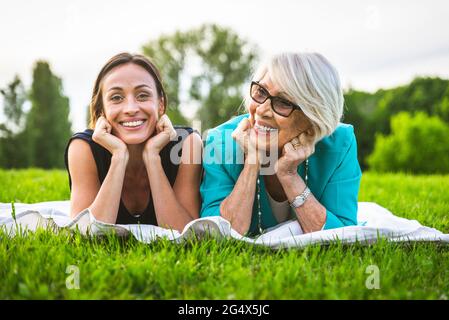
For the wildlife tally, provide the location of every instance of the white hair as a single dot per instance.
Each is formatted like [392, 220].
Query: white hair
[311, 82]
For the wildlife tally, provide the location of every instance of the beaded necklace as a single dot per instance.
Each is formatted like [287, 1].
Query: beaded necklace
[259, 213]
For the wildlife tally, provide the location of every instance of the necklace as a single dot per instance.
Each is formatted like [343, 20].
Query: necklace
[259, 212]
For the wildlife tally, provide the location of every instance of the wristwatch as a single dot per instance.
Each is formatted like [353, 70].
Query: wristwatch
[299, 200]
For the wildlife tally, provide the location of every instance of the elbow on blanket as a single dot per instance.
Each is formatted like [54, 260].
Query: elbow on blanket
[239, 225]
[333, 221]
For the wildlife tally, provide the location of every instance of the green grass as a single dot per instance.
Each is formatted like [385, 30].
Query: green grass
[33, 185]
[34, 266]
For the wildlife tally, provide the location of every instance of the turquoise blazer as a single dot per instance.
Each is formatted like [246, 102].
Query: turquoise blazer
[333, 175]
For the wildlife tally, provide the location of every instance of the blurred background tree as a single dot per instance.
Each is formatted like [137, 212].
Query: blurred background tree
[11, 147]
[214, 62]
[370, 113]
[418, 144]
[48, 127]
[169, 54]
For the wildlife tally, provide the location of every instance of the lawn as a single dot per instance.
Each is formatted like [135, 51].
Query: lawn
[40, 265]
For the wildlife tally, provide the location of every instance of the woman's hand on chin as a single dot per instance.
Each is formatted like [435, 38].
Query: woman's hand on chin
[164, 134]
[242, 136]
[103, 136]
[293, 154]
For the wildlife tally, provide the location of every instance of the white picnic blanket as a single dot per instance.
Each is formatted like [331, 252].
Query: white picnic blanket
[375, 222]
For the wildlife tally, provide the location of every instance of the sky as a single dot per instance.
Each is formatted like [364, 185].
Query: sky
[373, 44]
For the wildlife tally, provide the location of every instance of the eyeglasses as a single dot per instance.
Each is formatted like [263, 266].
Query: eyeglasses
[281, 106]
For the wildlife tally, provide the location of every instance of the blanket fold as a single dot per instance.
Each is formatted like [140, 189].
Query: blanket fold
[375, 222]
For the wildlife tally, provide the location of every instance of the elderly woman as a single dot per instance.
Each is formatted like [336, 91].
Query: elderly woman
[293, 126]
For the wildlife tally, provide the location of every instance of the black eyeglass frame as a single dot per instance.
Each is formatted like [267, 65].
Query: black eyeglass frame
[269, 96]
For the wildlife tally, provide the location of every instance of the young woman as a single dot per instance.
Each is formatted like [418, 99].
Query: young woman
[294, 109]
[132, 165]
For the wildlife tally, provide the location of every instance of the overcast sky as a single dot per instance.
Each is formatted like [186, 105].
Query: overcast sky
[373, 44]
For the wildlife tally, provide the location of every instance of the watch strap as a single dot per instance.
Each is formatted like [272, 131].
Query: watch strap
[299, 200]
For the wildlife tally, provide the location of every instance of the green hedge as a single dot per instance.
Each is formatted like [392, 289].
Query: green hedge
[417, 144]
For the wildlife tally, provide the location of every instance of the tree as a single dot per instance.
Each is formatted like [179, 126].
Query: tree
[417, 144]
[227, 62]
[442, 107]
[48, 127]
[360, 108]
[371, 113]
[216, 60]
[169, 54]
[11, 146]
[14, 96]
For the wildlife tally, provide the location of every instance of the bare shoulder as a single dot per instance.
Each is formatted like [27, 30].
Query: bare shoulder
[83, 174]
[81, 159]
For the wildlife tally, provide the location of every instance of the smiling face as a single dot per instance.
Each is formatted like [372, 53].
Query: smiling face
[131, 103]
[267, 126]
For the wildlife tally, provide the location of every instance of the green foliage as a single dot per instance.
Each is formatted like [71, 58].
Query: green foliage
[35, 266]
[418, 144]
[217, 61]
[422, 94]
[442, 106]
[359, 111]
[48, 126]
[14, 96]
[371, 113]
[12, 149]
[169, 54]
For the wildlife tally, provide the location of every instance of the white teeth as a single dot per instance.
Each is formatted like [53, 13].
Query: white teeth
[263, 128]
[132, 123]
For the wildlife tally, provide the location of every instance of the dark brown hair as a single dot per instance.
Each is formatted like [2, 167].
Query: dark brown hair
[96, 104]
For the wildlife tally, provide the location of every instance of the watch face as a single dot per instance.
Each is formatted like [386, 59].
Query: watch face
[299, 200]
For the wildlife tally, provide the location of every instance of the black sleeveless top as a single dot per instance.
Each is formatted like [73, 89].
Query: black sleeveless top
[103, 161]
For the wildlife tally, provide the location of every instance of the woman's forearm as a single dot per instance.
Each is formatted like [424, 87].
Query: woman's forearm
[237, 208]
[106, 204]
[169, 212]
[312, 214]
